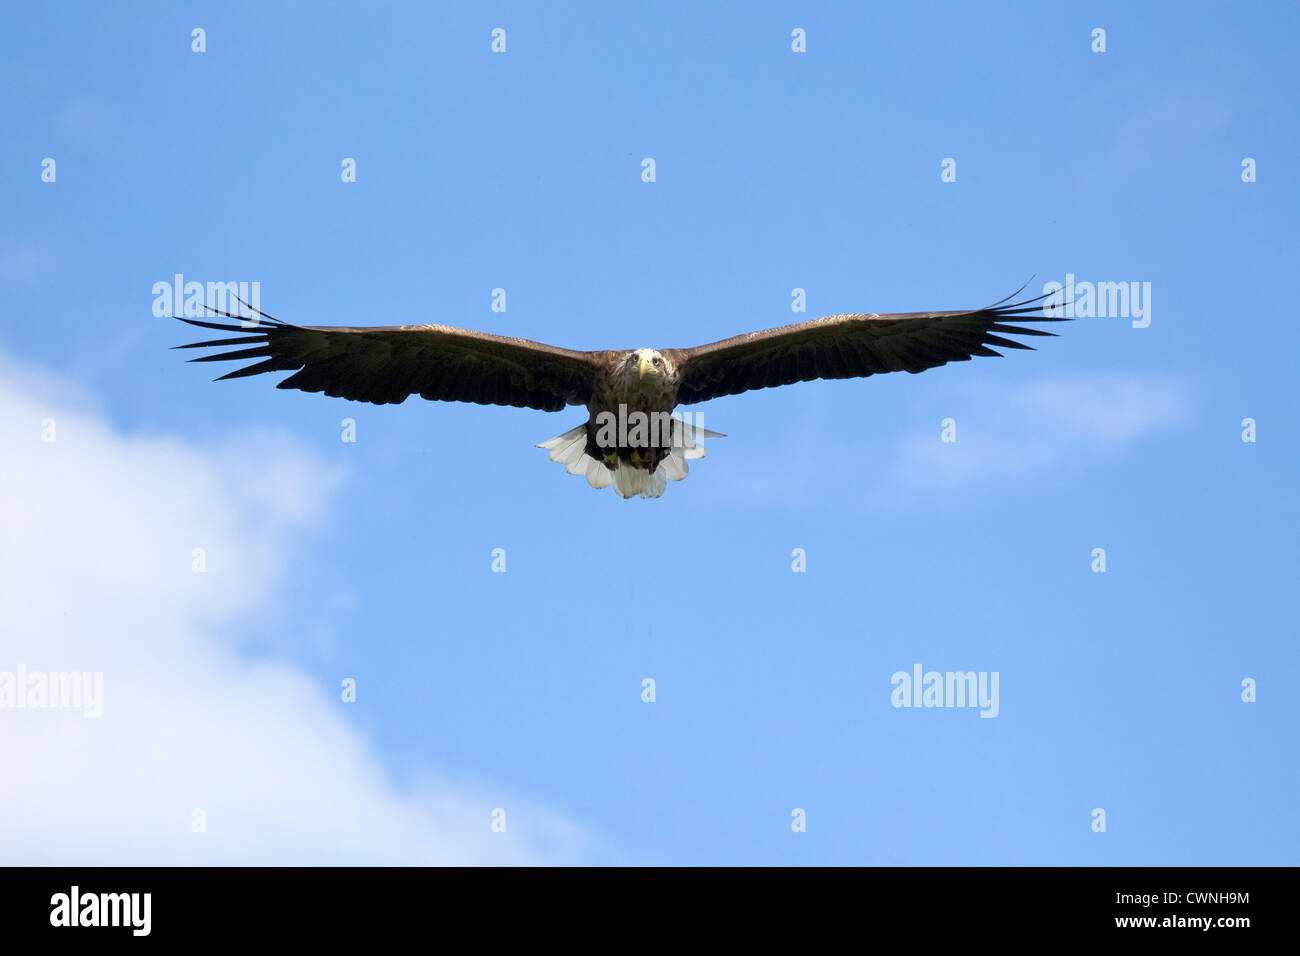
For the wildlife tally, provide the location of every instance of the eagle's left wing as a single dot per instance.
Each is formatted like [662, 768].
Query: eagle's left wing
[850, 346]
[386, 364]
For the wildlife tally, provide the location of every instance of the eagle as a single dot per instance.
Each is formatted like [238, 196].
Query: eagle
[630, 440]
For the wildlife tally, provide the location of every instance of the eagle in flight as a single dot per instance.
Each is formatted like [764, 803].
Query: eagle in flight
[630, 439]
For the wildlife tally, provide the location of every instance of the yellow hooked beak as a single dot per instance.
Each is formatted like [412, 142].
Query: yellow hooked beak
[648, 365]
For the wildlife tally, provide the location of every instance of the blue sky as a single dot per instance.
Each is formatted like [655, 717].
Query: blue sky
[775, 170]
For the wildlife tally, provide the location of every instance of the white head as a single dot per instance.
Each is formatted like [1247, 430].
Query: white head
[647, 364]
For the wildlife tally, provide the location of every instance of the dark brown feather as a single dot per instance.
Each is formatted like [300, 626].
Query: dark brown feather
[850, 346]
[386, 364]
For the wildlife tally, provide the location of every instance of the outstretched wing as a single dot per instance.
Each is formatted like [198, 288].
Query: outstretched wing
[850, 346]
[385, 364]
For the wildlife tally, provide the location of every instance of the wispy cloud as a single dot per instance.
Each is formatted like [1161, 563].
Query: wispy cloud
[1147, 118]
[96, 575]
[22, 261]
[89, 121]
[1021, 432]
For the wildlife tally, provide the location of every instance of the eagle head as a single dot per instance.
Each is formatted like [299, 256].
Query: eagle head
[647, 370]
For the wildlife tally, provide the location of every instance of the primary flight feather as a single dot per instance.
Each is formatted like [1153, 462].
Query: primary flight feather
[630, 439]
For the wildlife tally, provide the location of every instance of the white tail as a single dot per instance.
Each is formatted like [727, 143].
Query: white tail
[570, 450]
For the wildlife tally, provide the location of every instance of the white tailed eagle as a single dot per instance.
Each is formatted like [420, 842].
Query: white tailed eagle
[629, 439]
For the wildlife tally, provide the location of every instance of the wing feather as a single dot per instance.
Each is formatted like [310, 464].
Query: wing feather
[853, 346]
[387, 364]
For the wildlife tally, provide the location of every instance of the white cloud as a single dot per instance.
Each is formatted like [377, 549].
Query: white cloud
[1011, 434]
[96, 535]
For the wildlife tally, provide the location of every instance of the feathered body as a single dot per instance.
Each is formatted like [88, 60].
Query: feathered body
[630, 439]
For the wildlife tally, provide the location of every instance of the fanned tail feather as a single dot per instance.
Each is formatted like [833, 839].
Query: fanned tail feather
[629, 481]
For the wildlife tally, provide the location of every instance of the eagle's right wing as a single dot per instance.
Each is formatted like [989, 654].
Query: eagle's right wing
[851, 346]
[385, 364]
